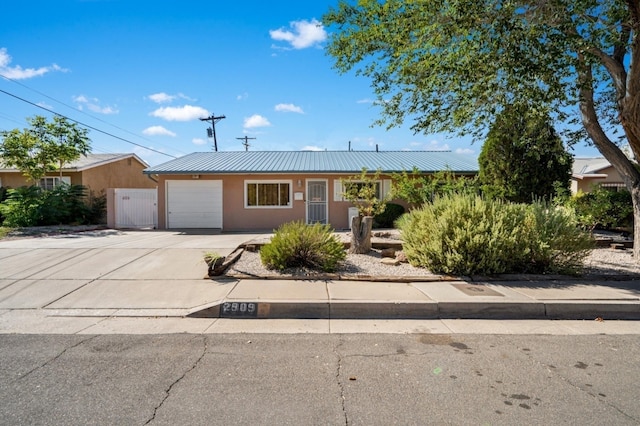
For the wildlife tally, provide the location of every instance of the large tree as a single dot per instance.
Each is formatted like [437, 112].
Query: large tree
[453, 65]
[523, 158]
[44, 147]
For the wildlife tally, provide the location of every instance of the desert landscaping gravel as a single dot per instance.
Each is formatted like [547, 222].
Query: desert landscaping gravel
[603, 261]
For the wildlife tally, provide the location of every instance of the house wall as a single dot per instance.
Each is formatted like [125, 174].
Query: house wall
[238, 218]
[124, 173]
[586, 184]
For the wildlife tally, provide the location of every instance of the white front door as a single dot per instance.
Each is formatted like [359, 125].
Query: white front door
[317, 207]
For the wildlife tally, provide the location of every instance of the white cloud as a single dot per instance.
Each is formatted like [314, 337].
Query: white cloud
[158, 131]
[18, 73]
[312, 148]
[364, 101]
[256, 120]
[44, 105]
[435, 145]
[464, 151]
[183, 113]
[289, 108]
[93, 104]
[161, 97]
[303, 34]
[242, 97]
[198, 141]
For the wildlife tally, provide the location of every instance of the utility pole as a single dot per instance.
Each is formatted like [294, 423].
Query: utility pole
[245, 143]
[211, 131]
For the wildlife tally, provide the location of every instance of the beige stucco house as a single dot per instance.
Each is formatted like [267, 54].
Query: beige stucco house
[97, 172]
[594, 171]
[252, 190]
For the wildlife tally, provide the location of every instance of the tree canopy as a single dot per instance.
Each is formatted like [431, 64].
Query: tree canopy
[523, 158]
[454, 65]
[44, 147]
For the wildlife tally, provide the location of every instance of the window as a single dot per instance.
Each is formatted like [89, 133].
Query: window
[382, 188]
[49, 183]
[613, 187]
[260, 194]
[358, 186]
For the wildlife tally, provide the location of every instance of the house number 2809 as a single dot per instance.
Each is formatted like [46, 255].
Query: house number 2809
[239, 309]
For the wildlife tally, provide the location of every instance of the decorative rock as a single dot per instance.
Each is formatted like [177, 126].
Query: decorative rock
[388, 252]
[391, 261]
[401, 257]
[382, 234]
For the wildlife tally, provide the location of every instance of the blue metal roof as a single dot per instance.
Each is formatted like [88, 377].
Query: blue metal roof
[231, 162]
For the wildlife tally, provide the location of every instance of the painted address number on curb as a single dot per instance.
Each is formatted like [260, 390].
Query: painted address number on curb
[239, 309]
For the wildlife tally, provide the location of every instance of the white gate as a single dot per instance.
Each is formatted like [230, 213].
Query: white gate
[136, 208]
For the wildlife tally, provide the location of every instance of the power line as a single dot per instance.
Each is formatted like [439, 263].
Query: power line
[87, 125]
[81, 111]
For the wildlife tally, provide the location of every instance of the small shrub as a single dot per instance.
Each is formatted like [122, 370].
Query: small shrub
[22, 207]
[467, 234]
[602, 207]
[211, 257]
[63, 205]
[387, 218]
[296, 244]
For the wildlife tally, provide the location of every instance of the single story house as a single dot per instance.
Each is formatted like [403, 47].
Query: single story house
[253, 190]
[590, 172]
[95, 171]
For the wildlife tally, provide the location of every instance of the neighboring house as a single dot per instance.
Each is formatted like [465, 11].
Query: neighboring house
[251, 190]
[97, 172]
[591, 172]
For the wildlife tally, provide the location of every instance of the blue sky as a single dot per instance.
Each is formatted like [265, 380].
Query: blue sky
[146, 71]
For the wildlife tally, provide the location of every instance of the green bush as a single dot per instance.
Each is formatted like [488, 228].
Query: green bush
[22, 207]
[467, 234]
[602, 207]
[296, 244]
[388, 217]
[65, 204]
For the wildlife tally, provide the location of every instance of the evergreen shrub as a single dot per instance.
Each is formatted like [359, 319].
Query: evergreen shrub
[466, 234]
[388, 217]
[63, 205]
[296, 244]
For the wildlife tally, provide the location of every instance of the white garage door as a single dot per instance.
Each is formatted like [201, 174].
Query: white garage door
[194, 204]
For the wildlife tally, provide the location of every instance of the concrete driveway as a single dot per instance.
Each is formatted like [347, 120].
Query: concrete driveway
[114, 270]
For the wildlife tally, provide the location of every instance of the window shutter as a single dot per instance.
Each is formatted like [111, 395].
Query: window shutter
[337, 190]
[386, 187]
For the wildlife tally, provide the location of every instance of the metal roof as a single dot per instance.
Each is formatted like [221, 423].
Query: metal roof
[230, 162]
[588, 166]
[88, 161]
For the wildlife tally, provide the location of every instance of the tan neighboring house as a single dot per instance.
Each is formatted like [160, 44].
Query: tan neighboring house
[253, 190]
[97, 172]
[591, 172]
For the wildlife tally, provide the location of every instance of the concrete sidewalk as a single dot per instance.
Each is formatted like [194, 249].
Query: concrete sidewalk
[127, 282]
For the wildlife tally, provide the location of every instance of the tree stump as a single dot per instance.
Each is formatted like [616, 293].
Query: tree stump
[361, 234]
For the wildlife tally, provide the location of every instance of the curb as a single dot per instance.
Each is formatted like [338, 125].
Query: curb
[383, 310]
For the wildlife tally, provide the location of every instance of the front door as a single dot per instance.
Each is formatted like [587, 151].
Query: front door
[317, 211]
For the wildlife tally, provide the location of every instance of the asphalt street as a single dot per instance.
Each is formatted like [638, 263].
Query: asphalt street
[382, 379]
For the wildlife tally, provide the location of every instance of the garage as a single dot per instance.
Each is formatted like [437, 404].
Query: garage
[194, 204]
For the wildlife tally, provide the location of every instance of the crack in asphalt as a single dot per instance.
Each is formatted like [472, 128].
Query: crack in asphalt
[52, 360]
[167, 391]
[340, 383]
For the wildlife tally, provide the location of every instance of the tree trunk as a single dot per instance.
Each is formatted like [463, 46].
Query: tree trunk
[361, 234]
[625, 167]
